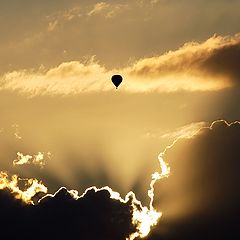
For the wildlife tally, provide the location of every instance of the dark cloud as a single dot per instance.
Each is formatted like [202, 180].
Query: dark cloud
[225, 61]
[95, 216]
[202, 64]
[200, 200]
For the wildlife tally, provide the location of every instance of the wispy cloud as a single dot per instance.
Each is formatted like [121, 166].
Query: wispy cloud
[98, 8]
[105, 9]
[186, 131]
[52, 25]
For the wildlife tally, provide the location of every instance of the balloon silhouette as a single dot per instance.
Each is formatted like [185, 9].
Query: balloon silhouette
[117, 79]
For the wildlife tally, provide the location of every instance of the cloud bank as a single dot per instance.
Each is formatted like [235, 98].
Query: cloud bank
[200, 200]
[96, 216]
[94, 210]
[207, 66]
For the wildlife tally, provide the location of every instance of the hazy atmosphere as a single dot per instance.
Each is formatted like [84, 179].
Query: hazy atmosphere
[160, 152]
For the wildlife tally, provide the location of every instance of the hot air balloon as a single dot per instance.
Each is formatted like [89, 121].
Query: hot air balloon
[117, 79]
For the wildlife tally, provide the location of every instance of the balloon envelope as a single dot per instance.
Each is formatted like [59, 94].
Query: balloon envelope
[117, 79]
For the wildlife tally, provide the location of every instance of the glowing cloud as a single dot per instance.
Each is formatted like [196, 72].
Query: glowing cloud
[106, 9]
[37, 159]
[187, 131]
[204, 186]
[33, 186]
[143, 217]
[190, 68]
[16, 133]
[98, 8]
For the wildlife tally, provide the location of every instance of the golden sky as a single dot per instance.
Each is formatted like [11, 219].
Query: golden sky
[57, 60]
[116, 32]
[62, 120]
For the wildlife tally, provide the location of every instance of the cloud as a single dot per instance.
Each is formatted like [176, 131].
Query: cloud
[67, 79]
[104, 9]
[96, 216]
[211, 64]
[52, 25]
[186, 131]
[29, 191]
[225, 60]
[200, 200]
[108, 10]
[62, 17]
[37, 159]
[141, 221]
[208, 66]
[69, 15]
[97, 213]
[98, 8]
[16, 133]
[33, 186]
[80, 35]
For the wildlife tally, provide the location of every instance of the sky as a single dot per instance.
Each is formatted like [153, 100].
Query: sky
[158, 156]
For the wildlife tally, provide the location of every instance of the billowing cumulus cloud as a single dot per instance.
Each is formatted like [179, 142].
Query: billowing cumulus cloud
[32, 187]
[208, 66]
[94, 211]
[200, 200]
[96, 216]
